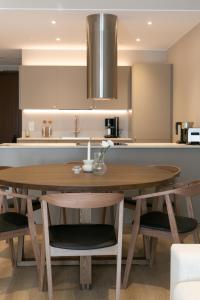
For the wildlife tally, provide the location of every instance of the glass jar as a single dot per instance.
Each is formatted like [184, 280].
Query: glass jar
[99, 167]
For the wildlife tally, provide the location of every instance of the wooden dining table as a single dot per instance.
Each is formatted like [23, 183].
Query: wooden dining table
[60, 177]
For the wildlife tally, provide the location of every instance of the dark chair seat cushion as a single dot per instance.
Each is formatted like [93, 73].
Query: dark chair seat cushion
[82, 236]
[36, 204]
[160, 221]
[10, 221]
[129, 200]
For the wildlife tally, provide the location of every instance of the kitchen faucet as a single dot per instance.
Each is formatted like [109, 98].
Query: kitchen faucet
[76, 126]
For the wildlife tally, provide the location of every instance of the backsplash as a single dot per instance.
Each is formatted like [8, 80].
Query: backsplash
[91, 123]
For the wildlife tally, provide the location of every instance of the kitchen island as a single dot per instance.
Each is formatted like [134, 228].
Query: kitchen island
[187, 157]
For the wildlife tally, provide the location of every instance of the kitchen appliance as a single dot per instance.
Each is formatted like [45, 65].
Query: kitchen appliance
[47, 129]
[112, 127]
[183, 133]
[193, 136]
[102, 56]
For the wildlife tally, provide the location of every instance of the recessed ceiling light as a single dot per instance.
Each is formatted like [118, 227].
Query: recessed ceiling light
[53, 22]
[58, 39]
[149, 23]
[138, 40]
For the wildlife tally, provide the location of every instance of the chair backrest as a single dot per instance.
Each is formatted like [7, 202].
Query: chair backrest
[83, 200]
[26, 201]
[189, 189]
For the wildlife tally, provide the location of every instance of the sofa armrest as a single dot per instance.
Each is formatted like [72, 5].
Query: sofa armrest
[185, 264]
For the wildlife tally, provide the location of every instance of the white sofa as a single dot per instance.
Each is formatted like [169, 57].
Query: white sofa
[185, 272]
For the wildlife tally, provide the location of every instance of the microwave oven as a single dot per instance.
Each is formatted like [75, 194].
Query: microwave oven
[193, 136]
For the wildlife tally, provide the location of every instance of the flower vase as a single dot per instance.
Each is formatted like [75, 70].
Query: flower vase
[99, 167]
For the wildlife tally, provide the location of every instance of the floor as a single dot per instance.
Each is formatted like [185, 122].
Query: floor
[145, 283]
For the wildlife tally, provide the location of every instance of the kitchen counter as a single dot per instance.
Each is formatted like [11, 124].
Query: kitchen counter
[94, 145]
[71, 140]
[187, 157]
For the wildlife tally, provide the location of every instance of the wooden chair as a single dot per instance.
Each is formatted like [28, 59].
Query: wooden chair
[158, 224]
[82, 239]
[150, 244]
[131, 204]
[14, 224]
[1, 186]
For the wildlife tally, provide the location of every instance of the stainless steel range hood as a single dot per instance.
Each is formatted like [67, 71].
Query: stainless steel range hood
[102, 56]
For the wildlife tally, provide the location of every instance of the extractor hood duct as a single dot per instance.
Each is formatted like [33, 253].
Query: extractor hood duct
[102, 56]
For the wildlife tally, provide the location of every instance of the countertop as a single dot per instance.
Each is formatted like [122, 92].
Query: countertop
[71, 139]
[124, 146]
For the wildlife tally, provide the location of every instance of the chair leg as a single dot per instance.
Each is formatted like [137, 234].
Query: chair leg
[134, 234]
[42, 268]
[49, 215]
[63, 216]
[119, 248]
[154, 242]
[130, 255]
[20, 249]
[147, 247]
[196, 236]
[33, 234]
[12, 252]
[104, 215]
[36, 249]
[172, 220]
[118, 277]
[49, 274]
[112, 215]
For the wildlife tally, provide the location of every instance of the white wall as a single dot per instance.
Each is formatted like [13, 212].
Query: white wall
[78, 57]
[185, 57]
[91, 123]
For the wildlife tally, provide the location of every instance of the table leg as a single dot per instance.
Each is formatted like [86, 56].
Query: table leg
[85, 261]
[20, 247]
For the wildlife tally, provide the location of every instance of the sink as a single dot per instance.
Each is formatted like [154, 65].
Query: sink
[86, 144]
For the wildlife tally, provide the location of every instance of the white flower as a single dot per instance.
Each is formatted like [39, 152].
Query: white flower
[104, 144]
[107, 144]
[110, 143]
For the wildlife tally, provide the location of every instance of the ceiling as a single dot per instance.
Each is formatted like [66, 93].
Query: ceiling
[26, 29]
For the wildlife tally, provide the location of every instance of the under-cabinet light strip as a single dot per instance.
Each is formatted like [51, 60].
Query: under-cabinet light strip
[92, 112]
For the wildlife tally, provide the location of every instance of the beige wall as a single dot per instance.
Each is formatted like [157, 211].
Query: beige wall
[78, 57]
[185, 57]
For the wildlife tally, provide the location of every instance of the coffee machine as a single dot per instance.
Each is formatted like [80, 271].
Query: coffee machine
[112, 127]
[183, 134]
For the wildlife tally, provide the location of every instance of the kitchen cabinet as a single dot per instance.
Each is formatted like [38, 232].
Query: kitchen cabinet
[151, 102]
[48, 87]
[123, 100]
[72, 88]
[38, 86]
[65, 87]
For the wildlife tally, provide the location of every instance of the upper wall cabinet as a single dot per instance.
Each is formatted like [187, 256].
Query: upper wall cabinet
[65, 87]
[72, 88]
[123, 100]
[37, 87]
[151, 102]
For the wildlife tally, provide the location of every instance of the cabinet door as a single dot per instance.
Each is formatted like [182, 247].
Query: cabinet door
[72, 88]
[151, 102]
[38, 87]
[124, 92]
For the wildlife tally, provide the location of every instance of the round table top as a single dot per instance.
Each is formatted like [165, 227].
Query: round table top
[60, 177]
